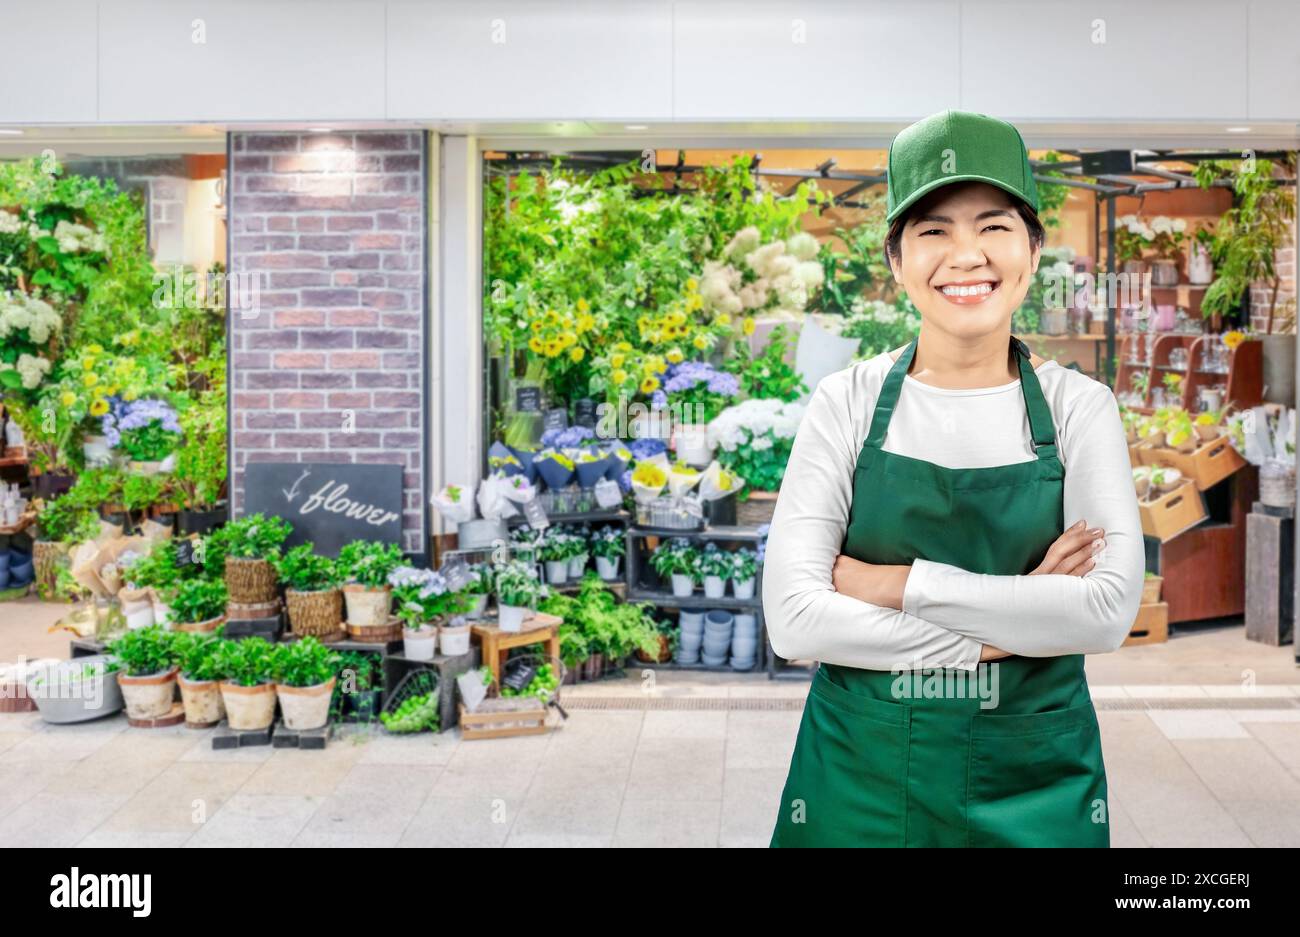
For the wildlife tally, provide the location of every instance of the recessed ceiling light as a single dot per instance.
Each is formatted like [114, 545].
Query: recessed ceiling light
[636, 127]
[10, 133]
[320, 130]
[1238, 130]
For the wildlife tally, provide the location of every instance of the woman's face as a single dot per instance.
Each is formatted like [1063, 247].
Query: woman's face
[966, 260]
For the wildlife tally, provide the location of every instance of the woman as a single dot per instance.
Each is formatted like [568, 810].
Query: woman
[950, 571]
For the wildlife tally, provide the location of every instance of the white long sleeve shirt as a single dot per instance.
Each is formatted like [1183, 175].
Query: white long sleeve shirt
[949, 612]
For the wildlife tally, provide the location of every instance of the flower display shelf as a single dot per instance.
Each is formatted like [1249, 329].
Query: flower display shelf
[643, 585]
[610, 516]
[540, 628]
[1244, 378]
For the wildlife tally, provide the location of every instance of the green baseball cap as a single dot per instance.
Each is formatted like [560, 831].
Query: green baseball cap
[957, 146]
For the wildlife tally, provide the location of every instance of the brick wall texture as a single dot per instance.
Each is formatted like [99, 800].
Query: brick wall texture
[329, 367]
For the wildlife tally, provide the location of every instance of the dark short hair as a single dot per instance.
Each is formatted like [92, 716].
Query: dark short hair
[894, 239]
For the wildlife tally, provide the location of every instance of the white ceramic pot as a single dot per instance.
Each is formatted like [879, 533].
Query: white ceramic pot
[683, 585]
[715, 587]
[305, 707]
[162, 614]
[139, 616]
[557, 571]
[577, 566]
[480, 605]
[420, 644]
[96, 451]
[511, 617]
[743, 590]
[607, 568]
[454, 640]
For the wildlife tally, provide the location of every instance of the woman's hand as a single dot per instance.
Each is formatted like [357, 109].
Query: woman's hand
[1074, 552]
[870, 582]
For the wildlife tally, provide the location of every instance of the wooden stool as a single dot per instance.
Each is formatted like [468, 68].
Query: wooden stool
[540, 629]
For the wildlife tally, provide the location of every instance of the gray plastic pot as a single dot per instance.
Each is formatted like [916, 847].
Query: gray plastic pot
[63, 696]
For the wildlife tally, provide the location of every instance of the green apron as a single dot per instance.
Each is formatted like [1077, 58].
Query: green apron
[916, 757]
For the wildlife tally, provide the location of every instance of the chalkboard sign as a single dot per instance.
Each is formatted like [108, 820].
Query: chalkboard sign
[329, 504]
[584, 413]
[518, 675]
[556, 418]
[528, 399]
[184, 554]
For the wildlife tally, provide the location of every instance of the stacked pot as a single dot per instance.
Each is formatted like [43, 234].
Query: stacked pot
[251, 584]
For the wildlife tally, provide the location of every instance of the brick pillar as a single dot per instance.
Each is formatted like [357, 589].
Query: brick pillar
[333, 225]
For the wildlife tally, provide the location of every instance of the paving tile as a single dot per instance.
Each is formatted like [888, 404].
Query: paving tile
[678, 823]
[261, 820]
[452, 822]
[180, 798]
[666, 768]
[53, 820]
[1197, 724]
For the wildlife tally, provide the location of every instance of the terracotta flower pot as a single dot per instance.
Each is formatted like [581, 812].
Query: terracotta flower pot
[306, 707]
[248, 707]
[149, 696]
[202, 701]
[366, 605]
[250, 581]
[1151, 589]
[200, 627]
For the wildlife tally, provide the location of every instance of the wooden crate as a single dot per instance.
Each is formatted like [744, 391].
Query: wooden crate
[1207, 466]
[499, 718]
[1151, 625]
[1171, 514]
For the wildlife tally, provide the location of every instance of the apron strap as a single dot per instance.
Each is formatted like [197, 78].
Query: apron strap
[1040, 415]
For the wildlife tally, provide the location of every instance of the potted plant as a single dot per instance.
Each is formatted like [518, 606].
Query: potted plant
[417, 598]
[555, 554]
[311, 594]
[715, 566]
[140, 493]
[1151, 588]
[360, 676]
[60, 522]
[478, 586]
[75, 690]
[200, 474]
[577, 550]
[609, 546]
[305, 673]
[744, 570]
[676, 558]
[367, 565]
[146, 431]
[198, 605]
[418, 713]
[1207, 425]
[245, 552]
[517, 590]
[199, 678]
[247, 690]
[148, 671]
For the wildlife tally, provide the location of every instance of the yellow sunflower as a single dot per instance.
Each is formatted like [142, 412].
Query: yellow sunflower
[535, 345]
[575, 354]
[99, 407]
[649, 385]
[1233, 339]
[90, 380]
[748, 325]
[700, 342]
[619, 376]
[616, 360]
[675, 356]
[68, 398]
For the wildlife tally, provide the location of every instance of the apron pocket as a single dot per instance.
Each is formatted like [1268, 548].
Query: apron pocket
[847, 785]
[1036, 779]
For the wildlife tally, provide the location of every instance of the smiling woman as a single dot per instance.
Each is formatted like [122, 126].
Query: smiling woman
[965, 533]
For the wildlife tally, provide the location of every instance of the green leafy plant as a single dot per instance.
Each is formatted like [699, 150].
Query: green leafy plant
[140, 492]
[201, 460]
[370, 563]
[414, 714]
[517, 584]
[714, 562]
[676, 556]
[362, 670]
[67, 520]
[303, 570]
[603, 623]
[196, 600]
[1247, 237]
[305, 662]
[196, 654]
[608, 543]
[144, 651]
[158, 569]
[744, 565]
[247, 662]
[767, 374]
[254, 537]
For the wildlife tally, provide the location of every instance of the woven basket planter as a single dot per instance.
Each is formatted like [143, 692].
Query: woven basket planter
[238, 611]
[757, 509]
[390, 630]
[318, 613]
[250, 582]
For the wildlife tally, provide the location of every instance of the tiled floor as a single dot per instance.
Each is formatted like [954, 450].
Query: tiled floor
[1201, 738]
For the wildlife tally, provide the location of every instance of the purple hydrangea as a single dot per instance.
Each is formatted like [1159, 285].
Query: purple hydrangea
[658, 400]
[567, 438]
[647, 447]
[136, 414]
[625, 480]
[690, 374]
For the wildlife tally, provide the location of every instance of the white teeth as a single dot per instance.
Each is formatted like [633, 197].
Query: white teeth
[982, 289]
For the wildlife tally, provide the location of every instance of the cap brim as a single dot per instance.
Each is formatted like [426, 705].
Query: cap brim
[949, 180]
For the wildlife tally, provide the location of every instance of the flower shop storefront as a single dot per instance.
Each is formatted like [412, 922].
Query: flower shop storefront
[653, 327]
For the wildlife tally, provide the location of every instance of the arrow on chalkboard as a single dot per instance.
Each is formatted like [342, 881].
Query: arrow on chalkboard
[293, 492]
